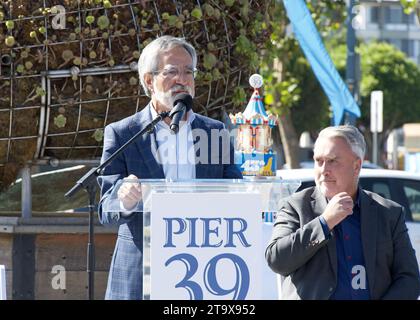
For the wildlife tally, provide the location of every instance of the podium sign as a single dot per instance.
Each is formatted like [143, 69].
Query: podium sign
[206, 239]
[206, 246]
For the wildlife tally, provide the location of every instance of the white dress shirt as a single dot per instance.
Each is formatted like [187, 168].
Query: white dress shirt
[175, 151]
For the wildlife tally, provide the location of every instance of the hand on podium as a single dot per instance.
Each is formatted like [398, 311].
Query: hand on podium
[130, 193]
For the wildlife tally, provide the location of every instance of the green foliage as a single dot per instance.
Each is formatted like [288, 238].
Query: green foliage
[90, 19]
[10, 25]
[40, 92]
[247, 49]
[283, 93]
[98, 135]
[92, 54]
[209, 61]
[133, 81]
[289, 81]
[229, 3]
[197, 13]
[28, 65]
[60, 121]
[408, 5]
[20, 68]
[208, 9]
[10, 41]
[239, 96]
[67, 55]
[388, 69]
[77, 61]
[385, 68]
[107, 4]
[103, 22]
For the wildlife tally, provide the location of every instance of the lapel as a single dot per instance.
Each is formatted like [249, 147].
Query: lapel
[368, 221]
[319, 204]
[200, 168]
[146, 144]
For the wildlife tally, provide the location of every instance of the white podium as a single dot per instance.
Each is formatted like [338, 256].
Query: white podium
[206, 239]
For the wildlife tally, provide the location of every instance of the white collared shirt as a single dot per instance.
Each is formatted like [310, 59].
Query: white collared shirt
[175, 151]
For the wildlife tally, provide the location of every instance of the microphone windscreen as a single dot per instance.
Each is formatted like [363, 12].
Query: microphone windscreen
[186, 99]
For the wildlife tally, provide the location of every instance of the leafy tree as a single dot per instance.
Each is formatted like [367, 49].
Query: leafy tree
[292, 91]
[388, 69]
[410, 6]
[383, 67]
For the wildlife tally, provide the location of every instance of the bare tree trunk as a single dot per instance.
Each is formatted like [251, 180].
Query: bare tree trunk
[288, 133]
[290, 141]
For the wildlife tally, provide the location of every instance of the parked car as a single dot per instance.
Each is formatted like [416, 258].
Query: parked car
[400, 186]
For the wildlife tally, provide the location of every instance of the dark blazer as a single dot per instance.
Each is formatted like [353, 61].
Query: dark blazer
[125, 275]
[307, 260]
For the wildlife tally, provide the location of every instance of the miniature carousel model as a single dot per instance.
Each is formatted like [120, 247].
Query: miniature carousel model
[253, 150]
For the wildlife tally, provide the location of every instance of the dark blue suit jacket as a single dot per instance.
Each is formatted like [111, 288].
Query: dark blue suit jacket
[125, 276]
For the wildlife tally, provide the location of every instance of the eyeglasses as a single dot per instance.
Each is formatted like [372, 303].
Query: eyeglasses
[172, 72]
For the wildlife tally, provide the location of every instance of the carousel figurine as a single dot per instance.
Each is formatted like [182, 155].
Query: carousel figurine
[254, 144]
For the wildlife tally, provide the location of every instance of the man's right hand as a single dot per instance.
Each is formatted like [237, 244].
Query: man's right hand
[339, 207]
[130, 192]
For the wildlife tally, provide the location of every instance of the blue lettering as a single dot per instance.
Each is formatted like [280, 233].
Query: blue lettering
[192, 243]
[169, 230]
[207, 231]
[239, 233]
[235, 227]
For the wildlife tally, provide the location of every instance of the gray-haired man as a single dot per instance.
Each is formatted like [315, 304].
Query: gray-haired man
[166, 68]
[337, 241]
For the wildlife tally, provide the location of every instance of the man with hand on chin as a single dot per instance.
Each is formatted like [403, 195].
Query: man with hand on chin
[337, 241]
[167, 68]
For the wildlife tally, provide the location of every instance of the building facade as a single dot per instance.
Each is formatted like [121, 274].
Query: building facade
[386, 21]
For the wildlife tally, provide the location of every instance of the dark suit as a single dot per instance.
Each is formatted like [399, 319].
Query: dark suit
[125, 275]
[307, 260]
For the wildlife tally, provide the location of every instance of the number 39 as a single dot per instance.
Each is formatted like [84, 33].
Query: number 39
[239, 290]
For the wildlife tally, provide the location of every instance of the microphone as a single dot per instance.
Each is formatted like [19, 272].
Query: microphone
[182, 104]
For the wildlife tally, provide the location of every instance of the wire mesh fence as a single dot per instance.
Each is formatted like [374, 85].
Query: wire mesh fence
[68, 68]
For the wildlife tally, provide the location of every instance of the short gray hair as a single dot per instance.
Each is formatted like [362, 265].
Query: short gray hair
[149, 58]
[350, 134]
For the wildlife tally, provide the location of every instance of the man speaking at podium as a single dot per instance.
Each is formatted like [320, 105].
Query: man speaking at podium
[167, 67]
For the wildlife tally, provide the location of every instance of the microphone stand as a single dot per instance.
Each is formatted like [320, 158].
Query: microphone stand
[89, 183]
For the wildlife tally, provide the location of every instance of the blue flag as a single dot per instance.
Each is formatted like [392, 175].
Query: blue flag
[311, 43]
